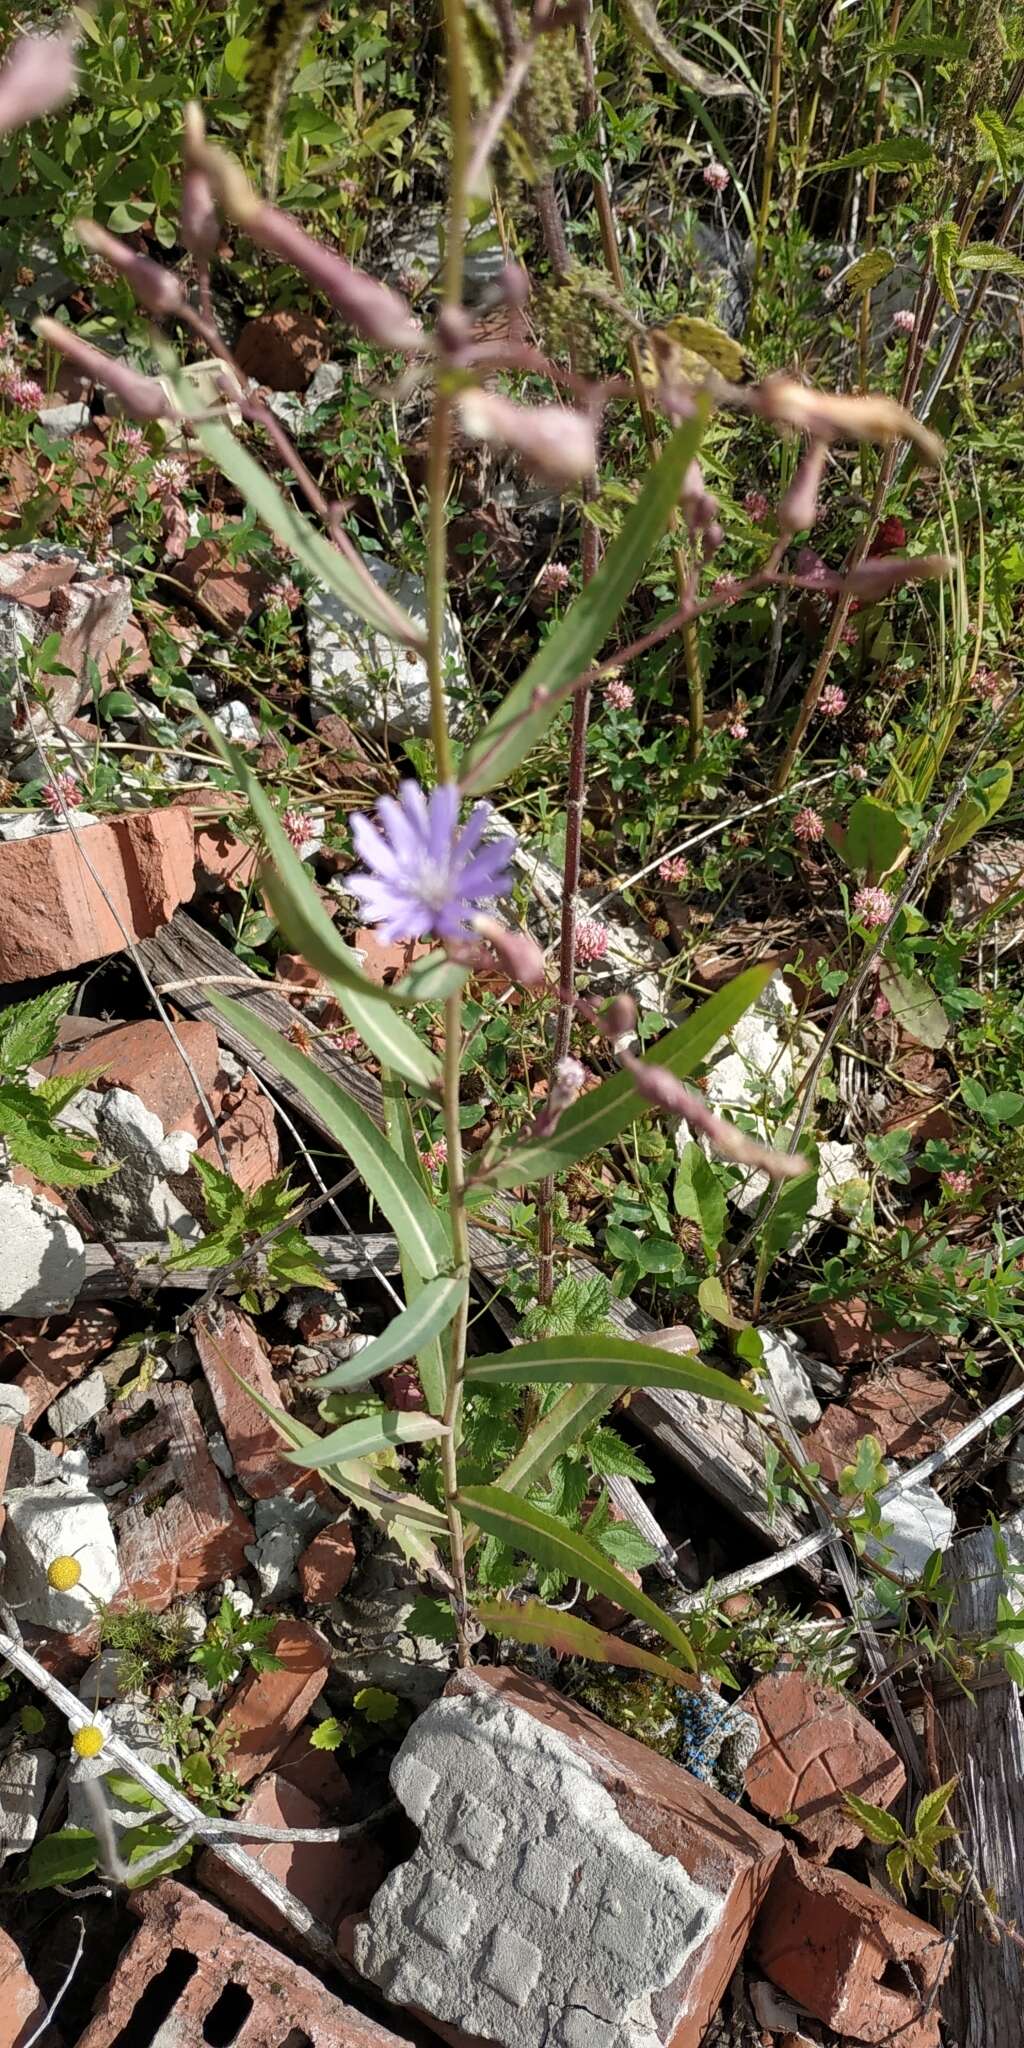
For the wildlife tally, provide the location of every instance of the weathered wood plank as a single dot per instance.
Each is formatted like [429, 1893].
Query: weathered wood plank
[718, 1448]
[983, 1999]
[344, 1258]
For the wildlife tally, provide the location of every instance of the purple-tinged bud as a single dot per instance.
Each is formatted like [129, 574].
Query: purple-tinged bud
[142, 398]
[798, 511]
[39, 73]
[200, 227]
[843, 416]
[520, 956]
[698, 505]
[711, 540]
[568, 1080]
[374, 310]
[659, 1085]
[454, 329]
[550, 440]
[618, 1017]
[875, 578]
[513, 283]
[155, 288]
[229, 186]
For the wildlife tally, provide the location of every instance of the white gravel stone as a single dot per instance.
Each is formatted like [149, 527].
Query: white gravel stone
[788, 1375]
[78, 1405]
[43, 1263]
[530, 1913]
[236, 722]
[915, 1523]
[383, 686]
[24, 1777]
[49, 1522]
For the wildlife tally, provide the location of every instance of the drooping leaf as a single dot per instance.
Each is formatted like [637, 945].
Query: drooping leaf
[571, 1636]
[868, 271]
[890, 153]
[355, 586]
[403, 1199]
[999, 143]
[642, 19]
[36, 1142]
[364, 1438]
[422, 1319]
[604, 1361]
[715, 1302]
[598, 1117]
[523, 1526]
[878, 1825]
[914, 1005]
[430, 1358]
[293, 897]
[511, 734]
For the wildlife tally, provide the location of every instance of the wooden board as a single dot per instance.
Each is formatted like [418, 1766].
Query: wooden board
[982, 1740]
[717, 1447]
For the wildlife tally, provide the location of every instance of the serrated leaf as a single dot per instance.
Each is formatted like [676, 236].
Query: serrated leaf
[985, 256]
[524, 1526]
[878, 1825]
[601, 1115]
[932, 1807]
[414, 1326]
[945, 243]
[60, 1859]
[416, 1223]
[329, 1734]
[28, 1030]
[514, 730]
[293, 896]
[897, 1864]
[868, 271]
[367, 1436]
[998, 142]
[890, 153]
[36, 1142]
[602, 1361]
[531, 1621]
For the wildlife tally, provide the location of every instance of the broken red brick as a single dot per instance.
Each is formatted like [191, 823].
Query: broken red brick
[385, 963]
[21, 2007]
[228, 592]
[267, 1708]
[190, 1975]
[316, 1772]
[144, 1057]
[849, 1333]
[325, 1567]
[247, 1129]
[313, 1871]
[57, 1351]
[58, 914]
[222, 859]
[816, 1746]
[720, 1846]
[852, 1956]
[832, 1443]
[178, 1529]
[283, 350]
[228, 1344]
[910, 1409]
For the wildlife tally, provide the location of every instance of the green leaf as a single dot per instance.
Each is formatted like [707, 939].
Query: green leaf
[355, 586]
[143, 1841]
[306, 925]
[416, 1223]
[915, 1005]
[998, 142]
[715, 1302]
[35, 1141]
[401, 1136]
[563, 1425]
[329, 1734]
[531, 703]
[376, 1705]
[898, 1863]
[700, 1197]
[598, 1117]
[363, 1439]
[985, 256]
[878, 1825]
[933, 47]
[932, 1807]
[531, 1621]
[28, 1030]
[794, 1205]
[868, 271]
[414, 1326]
[523, 1526]
[891, 153]
[1003, 1107]
[945, 241]
[60, 1859]
[874, 839]
[431, 979]
[990, 792]
[128, 1792]
[603, 1361]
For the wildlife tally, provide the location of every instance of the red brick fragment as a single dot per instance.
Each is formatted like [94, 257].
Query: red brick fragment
[267, 1708]
[57, 1351]
[849, 1333]
[178, 1529]
[910, 1409]
[851, 1956]
[325, 1567]
[313, 1871]
[56, 914]
[228, 1345]
[189, 1972]
[720, 1846]
[283, 350]
[816, 1746]
[21, 2007]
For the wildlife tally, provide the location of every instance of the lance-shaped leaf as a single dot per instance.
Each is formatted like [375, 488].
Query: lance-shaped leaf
[402, 1139]
[642, 19]
[340, 573]
[564, 1424]
[293, 897]
[607, 1361]
[599, 1117]
[571, 1636]
[404, 1201]
[532, 702]
[406, 1334]
[523, 1526]
[364, 1438]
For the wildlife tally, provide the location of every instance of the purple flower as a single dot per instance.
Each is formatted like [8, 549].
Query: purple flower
[425, 873]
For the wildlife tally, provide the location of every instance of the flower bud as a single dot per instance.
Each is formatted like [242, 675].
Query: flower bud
[550, 440]
[520, 956]
[142, 398]
[200, 227]
[568, 1078]
[799, 508]
[835, 416]
[374, 310]
[156, 289]
[698, 505]
[39, 73]
[881, 573]
[226, 180]
[618, 1017]
[660, 1086]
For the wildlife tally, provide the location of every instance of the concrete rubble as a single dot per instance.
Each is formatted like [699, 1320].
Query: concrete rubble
[383, 686]
[43, 1265]
[47, 1522]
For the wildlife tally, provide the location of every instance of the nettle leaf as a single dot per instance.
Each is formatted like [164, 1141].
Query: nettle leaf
[868, 271]
[28, 1030]
[526, 1527]
[530, 1621]
[998, 142]
[945, 241]
[642, 20]
[890, 153]
[985, 256]
[36, 1142]
[530, 705]
[878, 1825]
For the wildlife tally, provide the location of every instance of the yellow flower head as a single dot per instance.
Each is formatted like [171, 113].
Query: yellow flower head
[88, 1741]
[64, 1573]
